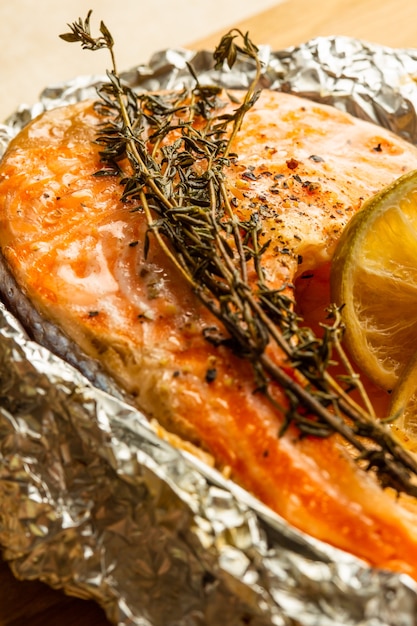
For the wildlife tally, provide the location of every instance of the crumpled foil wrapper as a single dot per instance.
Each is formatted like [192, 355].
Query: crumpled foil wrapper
[95, 503]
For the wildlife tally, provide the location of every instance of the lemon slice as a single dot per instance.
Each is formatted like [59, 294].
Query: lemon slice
[374, 275]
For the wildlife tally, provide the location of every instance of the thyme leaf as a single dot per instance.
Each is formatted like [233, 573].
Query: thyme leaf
[80, 32]
[177, 176]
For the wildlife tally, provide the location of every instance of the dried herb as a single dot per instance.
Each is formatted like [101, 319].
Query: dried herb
[180, 185]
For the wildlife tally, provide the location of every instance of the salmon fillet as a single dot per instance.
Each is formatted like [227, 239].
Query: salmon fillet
[77, 252]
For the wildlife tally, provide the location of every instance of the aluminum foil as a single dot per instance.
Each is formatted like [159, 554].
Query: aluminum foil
[95, 503]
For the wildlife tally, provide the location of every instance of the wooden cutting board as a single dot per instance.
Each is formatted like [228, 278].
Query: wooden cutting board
[291, 22]
[31, 603]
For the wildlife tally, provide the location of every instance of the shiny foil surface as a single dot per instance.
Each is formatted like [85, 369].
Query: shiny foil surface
[94, 502]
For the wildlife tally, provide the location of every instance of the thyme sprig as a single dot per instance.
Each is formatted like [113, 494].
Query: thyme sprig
[177, 175]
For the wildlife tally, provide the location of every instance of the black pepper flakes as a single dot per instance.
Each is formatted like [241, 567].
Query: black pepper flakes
[144, 317]
[133, 244]
[316, 158]
[93, 313]
[377, 148]
[311, 187]
[211, 375]
[248, 175]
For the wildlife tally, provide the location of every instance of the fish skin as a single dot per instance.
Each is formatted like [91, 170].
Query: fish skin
[50, 336]
[77, 254]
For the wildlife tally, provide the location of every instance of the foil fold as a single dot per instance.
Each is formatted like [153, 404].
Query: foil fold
[95, 503]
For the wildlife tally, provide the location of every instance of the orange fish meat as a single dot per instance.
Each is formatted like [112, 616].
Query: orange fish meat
[77, 251]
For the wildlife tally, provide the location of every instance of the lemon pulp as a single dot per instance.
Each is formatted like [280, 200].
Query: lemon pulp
[404, 406]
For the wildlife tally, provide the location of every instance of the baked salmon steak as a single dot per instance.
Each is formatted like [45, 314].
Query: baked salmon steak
[92, 252]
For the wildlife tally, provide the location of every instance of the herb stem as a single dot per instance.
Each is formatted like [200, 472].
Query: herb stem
[181, 187]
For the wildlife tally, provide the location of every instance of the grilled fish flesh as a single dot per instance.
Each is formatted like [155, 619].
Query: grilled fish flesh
[76, 252]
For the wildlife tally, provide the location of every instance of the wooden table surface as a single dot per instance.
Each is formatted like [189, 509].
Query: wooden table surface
[389, 22]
